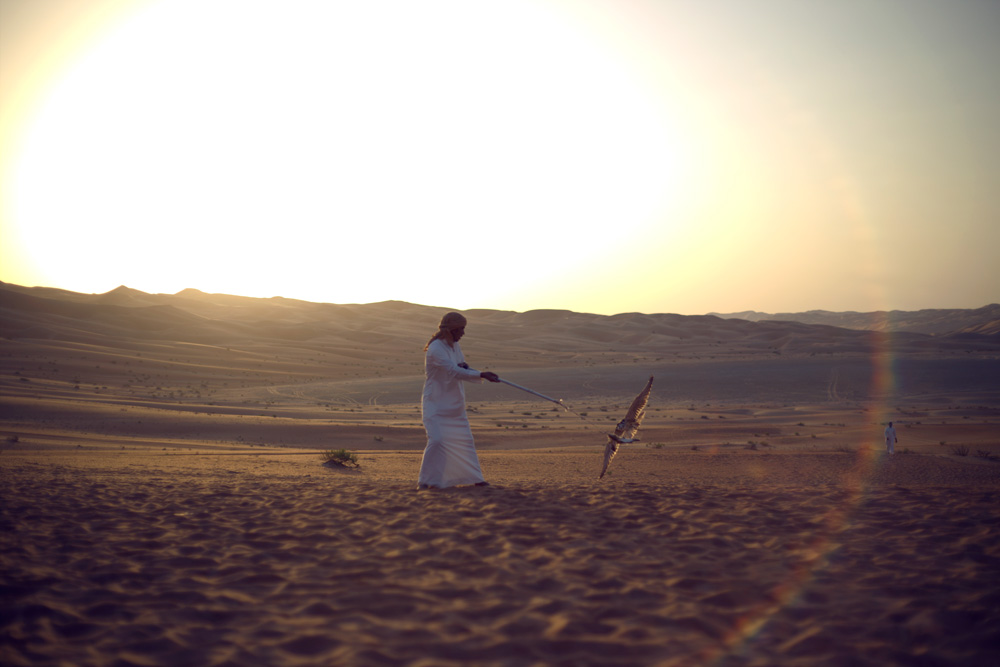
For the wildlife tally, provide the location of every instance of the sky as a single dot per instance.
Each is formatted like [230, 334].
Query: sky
[601, 156]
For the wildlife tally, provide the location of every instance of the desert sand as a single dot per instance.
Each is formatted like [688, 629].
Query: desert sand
[680, 558]
[163, 502]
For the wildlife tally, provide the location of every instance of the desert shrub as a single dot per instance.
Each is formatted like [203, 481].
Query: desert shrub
[751, 445]
[13, 439]
[985, 454]
[341, 457]
[960, 450]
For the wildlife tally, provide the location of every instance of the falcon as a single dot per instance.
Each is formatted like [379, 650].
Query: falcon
[626, 429]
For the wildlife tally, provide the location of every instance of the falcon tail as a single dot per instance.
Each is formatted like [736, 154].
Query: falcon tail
[610, 450]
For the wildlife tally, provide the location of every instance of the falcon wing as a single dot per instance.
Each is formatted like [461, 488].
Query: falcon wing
[627, 427]
[610, 450]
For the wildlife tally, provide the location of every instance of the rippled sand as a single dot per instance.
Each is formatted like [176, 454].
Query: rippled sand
[677, 558]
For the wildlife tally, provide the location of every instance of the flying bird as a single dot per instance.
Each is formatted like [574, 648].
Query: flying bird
[626, 429]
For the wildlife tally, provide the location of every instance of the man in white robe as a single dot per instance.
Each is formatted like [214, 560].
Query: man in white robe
[450, 456]
[890, 439]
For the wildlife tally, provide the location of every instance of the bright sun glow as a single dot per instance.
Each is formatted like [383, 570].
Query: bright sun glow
[600, 156]
[344, 152]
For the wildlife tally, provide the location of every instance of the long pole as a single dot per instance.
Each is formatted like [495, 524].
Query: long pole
[531, 391]
[557, 401]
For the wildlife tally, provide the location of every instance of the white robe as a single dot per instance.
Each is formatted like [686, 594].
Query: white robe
[450, 456]
[890, 439]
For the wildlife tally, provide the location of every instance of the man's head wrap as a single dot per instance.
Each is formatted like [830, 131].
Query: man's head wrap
[449, 323]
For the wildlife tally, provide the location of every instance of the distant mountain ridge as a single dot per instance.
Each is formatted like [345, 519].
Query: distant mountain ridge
[195, 317]
[934, 322]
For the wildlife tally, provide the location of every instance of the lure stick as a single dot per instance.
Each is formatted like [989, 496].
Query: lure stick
[557, 401]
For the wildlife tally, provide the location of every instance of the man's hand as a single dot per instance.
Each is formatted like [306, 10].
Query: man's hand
[488, 375]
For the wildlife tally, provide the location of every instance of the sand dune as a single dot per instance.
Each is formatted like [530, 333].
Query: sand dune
[985, 320]
[163, 503]
[218, 317]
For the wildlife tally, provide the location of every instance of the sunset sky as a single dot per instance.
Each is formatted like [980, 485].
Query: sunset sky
[601, 156]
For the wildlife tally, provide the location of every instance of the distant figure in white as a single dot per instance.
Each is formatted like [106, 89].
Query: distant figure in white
[890, 439]
[450, 456]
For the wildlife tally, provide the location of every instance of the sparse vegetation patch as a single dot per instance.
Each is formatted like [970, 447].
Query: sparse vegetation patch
[340, 457]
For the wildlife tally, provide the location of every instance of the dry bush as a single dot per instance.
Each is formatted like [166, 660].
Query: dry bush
[341, 457]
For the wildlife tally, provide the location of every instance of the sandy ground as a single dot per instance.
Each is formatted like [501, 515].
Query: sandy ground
[162, 500]
[679, 557]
